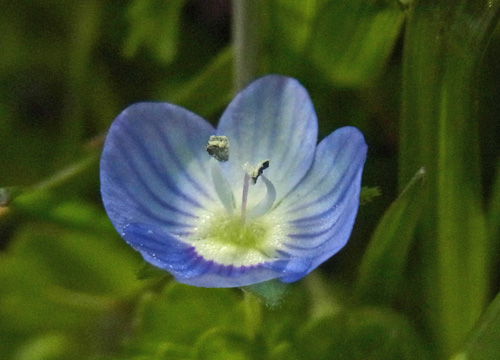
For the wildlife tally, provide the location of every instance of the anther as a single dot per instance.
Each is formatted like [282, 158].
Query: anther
[218, 147]
[259, 170]
[252, 174]
[255, 172]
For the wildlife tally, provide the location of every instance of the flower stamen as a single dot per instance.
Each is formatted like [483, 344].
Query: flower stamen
[257, 171]
[244, 197]
[265, 204]
[218, 149]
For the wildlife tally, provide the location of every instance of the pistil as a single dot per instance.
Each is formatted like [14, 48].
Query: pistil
[244, 197]
[253, 173]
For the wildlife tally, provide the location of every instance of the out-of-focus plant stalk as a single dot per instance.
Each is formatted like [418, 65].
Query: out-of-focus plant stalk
[323, 301]
[444, 43]
[246, 41]
[61, 177]
[40, 201]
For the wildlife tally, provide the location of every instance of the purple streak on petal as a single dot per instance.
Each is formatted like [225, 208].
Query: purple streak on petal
[154, 166]
[173, 155]
[322, 208]
[273, 118]
[160, 214]
[150, 191]
[159, 176]
[172, 254]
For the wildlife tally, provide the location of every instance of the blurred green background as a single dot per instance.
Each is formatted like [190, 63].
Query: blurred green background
[420, 79]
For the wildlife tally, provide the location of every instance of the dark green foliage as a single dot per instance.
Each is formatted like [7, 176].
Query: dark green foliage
[415, 280]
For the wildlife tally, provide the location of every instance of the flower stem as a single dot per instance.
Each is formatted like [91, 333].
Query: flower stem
[323, 303]
[246, 40]
[253, 314]
[61, 177]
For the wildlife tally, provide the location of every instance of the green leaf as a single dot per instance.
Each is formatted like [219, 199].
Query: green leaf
[483, 343]
[288, 26]
[185, 322]
[51, 346]
[53, 281]
[493, 215]
[76, 261]
[180, 315]
[365, 333]
[368, 194]
[208, 91]
[444, 43]
[222, 344]
[382, 267]
[155, 25]
[148, 271]
[349, 42]
[291, 22]
[71, 214]
[26, 300]
[352, 40]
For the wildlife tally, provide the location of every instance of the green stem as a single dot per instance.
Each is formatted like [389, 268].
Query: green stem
[67, 174]
[246, 40]
[252, 309]
[63, 176]
[323, 302]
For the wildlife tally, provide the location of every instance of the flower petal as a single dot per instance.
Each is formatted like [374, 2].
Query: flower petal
[322, 208]
[180, 259]
[273, 118]
[153, 168]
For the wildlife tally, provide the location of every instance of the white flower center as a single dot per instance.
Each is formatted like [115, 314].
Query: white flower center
[237, 238]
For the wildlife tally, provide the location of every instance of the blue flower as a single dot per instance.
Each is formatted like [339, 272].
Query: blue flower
[253, 200]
